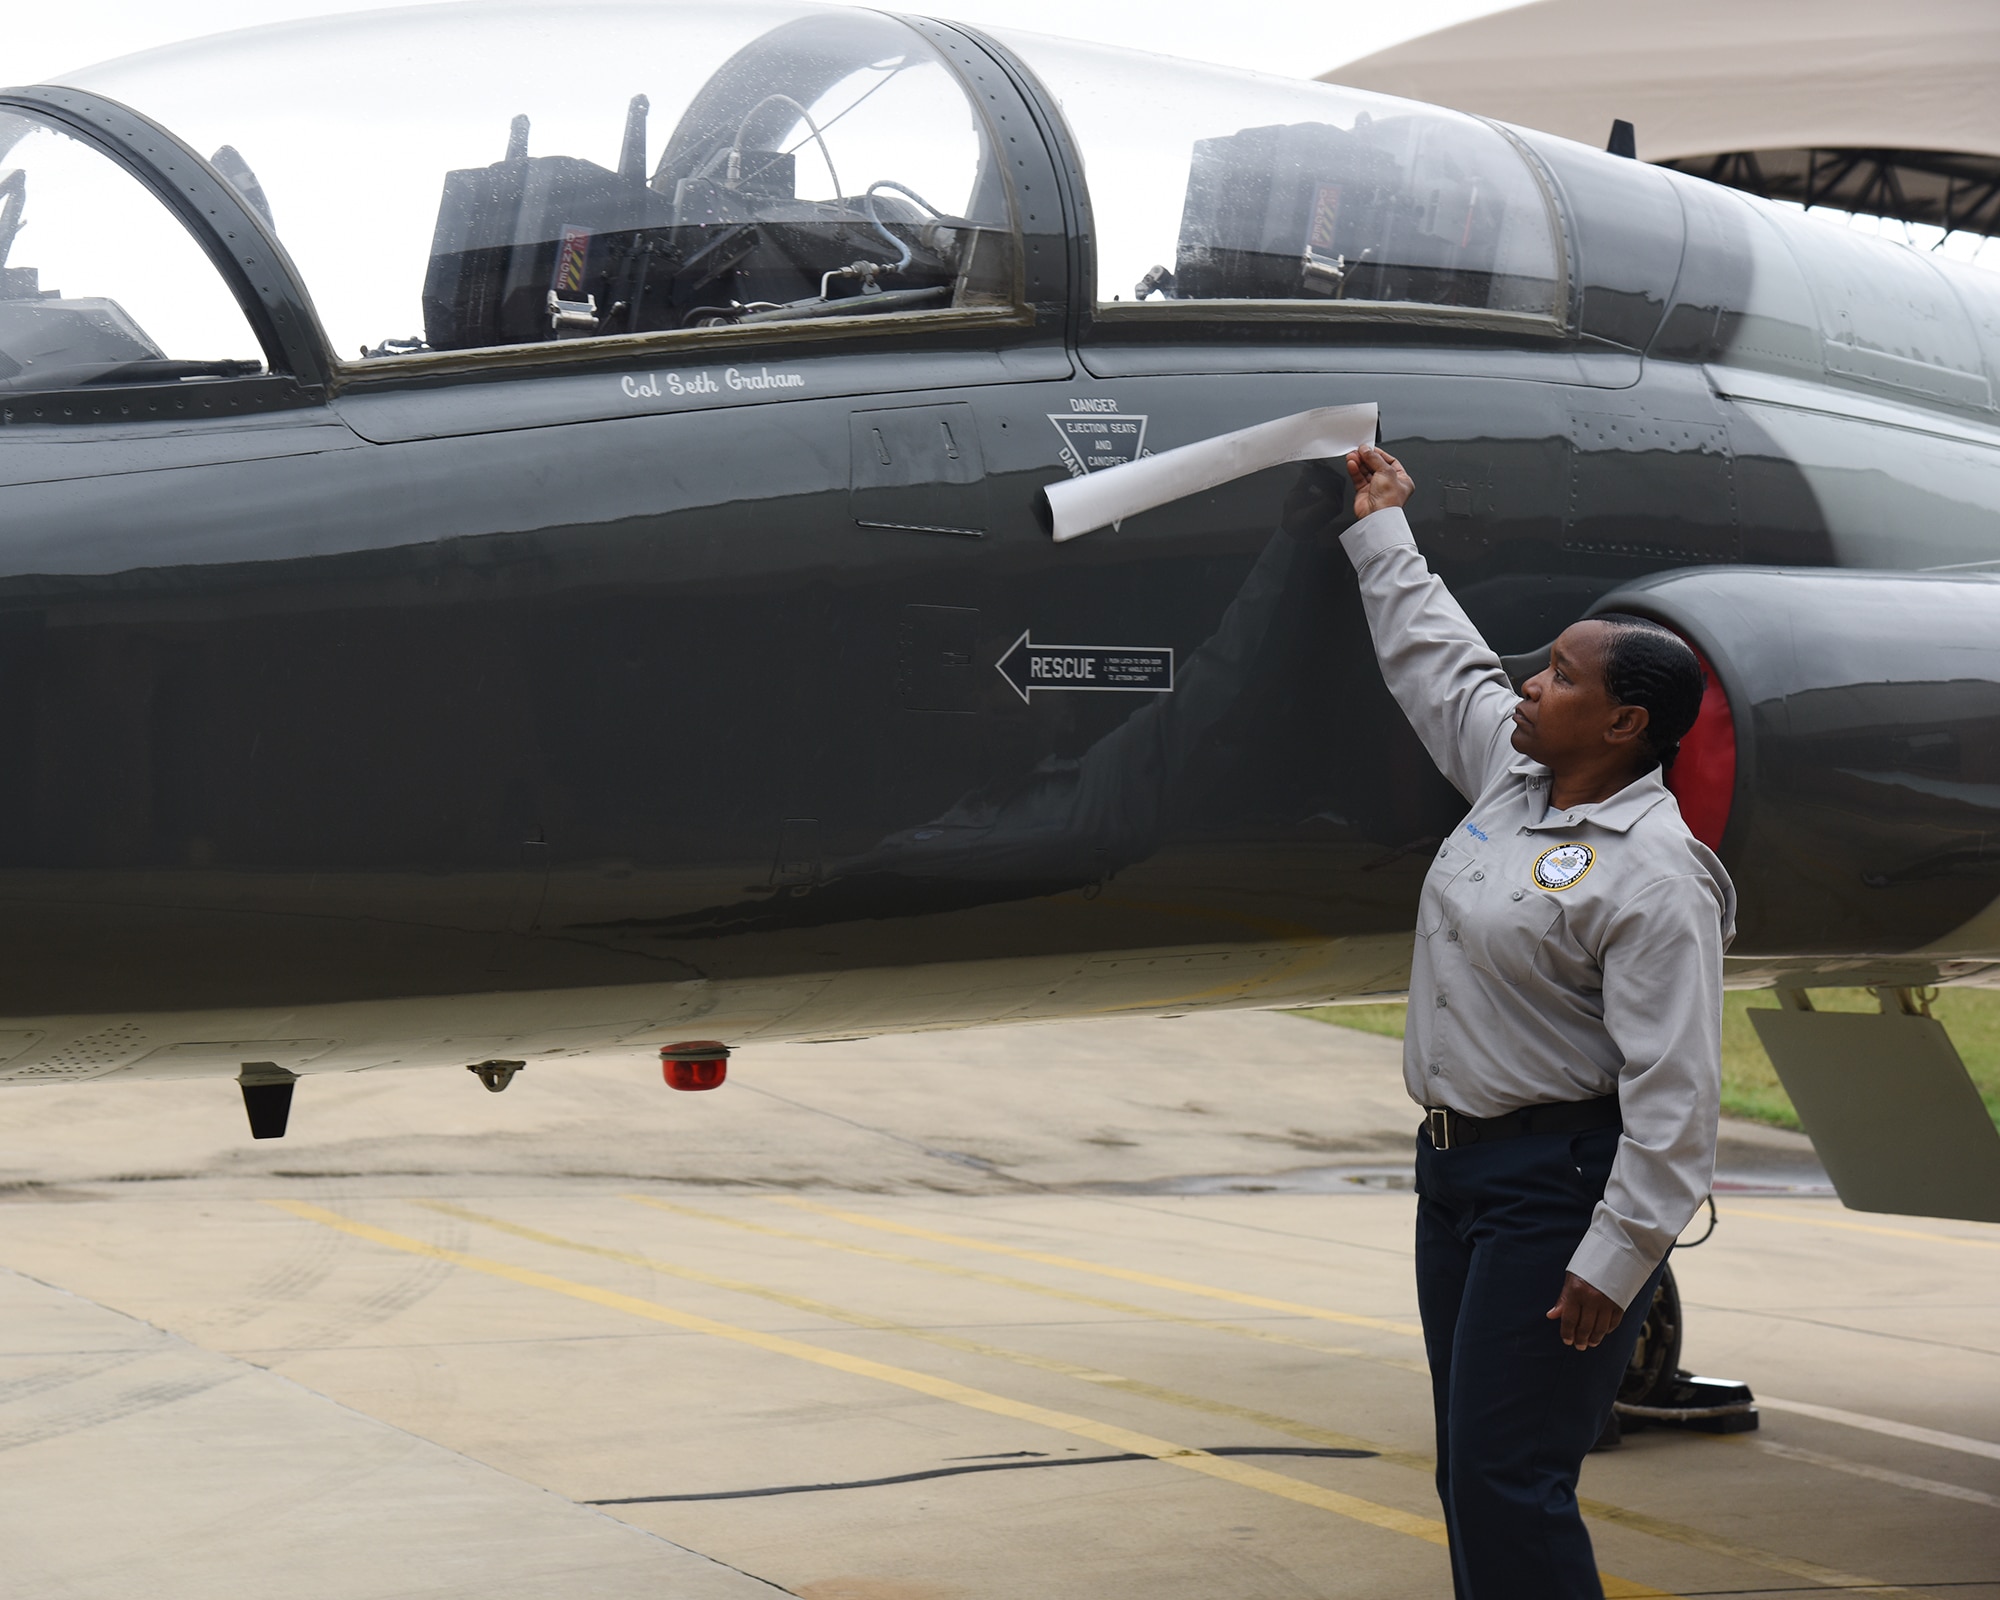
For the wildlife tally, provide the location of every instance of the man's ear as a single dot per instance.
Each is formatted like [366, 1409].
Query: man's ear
[1627, 725]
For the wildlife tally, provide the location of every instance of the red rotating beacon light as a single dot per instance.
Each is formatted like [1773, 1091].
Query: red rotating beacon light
[696, 1064]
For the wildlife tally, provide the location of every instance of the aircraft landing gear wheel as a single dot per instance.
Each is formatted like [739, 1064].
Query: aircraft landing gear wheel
[1655, 1369]
[1656, 1358]
[1658, 1393]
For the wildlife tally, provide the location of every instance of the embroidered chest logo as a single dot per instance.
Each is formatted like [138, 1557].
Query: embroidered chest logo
[1563, 866]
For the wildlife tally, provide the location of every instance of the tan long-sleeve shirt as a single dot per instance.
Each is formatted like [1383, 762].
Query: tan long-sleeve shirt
[1560, 955]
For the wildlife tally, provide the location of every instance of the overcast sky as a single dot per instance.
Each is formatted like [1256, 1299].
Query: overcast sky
[1297, 37]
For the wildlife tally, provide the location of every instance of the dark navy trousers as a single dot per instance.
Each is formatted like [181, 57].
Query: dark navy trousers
[1517, 1409]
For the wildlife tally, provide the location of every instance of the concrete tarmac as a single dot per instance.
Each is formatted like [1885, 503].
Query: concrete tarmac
[1097, 1310]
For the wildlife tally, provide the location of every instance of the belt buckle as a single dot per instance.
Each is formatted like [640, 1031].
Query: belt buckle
[1438, 1120]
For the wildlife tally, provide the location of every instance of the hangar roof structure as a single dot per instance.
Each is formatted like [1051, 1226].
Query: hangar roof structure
[1847, 103]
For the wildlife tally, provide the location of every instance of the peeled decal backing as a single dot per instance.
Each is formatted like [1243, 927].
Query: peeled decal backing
[1563, 866]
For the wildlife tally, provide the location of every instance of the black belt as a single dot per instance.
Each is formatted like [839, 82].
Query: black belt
[1448, 1129]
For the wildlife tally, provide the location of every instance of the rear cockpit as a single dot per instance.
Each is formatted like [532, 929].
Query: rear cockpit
[1214, 190]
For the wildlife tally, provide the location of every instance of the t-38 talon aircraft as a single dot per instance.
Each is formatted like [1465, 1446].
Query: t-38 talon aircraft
[520, 533]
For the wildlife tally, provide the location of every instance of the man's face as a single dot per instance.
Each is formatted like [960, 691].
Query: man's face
[1566, 714]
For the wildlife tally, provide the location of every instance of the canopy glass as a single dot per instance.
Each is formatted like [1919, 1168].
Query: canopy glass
[99, 282]
[456, 177]
[1208, 184]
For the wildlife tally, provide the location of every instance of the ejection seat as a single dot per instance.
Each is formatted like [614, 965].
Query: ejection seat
[540, 247]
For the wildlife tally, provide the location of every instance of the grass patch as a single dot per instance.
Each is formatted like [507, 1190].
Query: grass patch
[1750, 1086]
[1386, 1020]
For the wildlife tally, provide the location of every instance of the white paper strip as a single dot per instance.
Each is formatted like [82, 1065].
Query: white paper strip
[1101, 498]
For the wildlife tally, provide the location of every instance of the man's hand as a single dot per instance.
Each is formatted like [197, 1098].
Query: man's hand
[1586, 1314]
[1379, 480]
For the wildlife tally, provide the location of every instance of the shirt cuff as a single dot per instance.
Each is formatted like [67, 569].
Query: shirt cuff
[1378, 531]
[1612, 1267]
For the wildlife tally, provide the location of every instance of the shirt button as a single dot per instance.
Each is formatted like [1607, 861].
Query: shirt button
[1453, 936]
[1437, 1069]
[1440, 1002]
[1517, 894]
[1477, 876]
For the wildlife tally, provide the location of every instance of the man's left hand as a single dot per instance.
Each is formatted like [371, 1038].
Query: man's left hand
[1587, 1314]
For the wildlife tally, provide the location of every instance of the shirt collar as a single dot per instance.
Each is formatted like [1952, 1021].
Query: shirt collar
[1616, 814]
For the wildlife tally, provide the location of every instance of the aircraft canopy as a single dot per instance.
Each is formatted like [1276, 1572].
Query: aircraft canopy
[453, 178]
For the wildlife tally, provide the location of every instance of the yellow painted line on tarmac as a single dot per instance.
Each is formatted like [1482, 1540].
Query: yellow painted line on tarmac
[1028, 1286]
[1859, 1227]
[821, 1308]
[1151, 1280]
[1615, 1587]
[950, 1341]
[1230, 1470]
[1292, 1427]
[1655, 1527]
[1715, 1545]
[1639, 1521]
